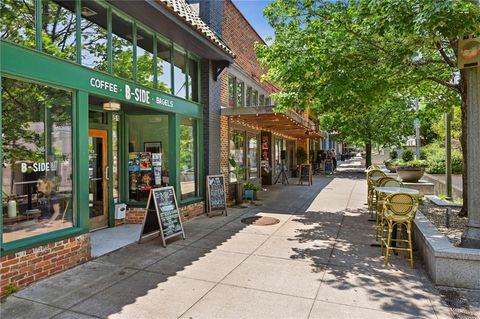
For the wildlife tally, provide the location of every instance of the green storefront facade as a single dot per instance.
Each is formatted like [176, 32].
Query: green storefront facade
[79, 138]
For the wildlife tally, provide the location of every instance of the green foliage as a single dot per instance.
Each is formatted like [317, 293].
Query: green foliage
[435, 155]
[411, 163]
[10, 289]
[235, 166]
[250, 186]
[407, 155]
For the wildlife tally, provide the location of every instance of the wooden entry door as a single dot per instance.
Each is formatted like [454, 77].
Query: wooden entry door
[98, 178]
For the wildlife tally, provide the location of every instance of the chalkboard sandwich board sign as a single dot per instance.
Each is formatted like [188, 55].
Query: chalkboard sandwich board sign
[216, 197]
[305, 174]
[162, 217]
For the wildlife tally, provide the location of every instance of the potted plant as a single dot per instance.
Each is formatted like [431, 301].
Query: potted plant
[238, 186]
[411, 171]
[249, 190]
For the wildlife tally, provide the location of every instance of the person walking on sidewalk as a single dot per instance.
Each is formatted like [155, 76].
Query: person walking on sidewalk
[334, 159]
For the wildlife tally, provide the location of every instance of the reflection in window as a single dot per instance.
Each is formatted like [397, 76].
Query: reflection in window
[58, 29]
[188, 172]
[164, 67]
[37, 155]
[94, 36]
[237, 144]
[252, 155]
[255, 98]
[261, 100]
[231, 91]
[240, 93]
[145, 63]
[17, 21]
[122, 47]
[268, 101]
[179, 74]
[249, 96]
[193, 80]
[148, 154]
[116, 159]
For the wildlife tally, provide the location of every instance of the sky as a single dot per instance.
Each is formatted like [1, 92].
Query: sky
[253, 11]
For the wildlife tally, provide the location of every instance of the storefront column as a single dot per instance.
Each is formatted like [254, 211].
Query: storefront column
[80, 121]
[174, 152]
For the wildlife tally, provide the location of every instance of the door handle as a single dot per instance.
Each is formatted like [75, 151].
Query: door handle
[106, 174]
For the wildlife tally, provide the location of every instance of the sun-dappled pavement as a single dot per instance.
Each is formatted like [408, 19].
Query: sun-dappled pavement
[316, 262]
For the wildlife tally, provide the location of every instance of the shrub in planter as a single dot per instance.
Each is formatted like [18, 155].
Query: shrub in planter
[411, 171]
[391, 165]
[249, 190]
[407, 155]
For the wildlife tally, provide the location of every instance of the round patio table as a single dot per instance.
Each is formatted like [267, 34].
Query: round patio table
[391, 190]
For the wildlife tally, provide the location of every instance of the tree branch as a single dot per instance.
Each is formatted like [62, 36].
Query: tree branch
[452, 86]
[444, 54]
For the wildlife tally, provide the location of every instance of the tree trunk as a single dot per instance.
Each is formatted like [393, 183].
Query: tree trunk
[463, 143]
[368, 154]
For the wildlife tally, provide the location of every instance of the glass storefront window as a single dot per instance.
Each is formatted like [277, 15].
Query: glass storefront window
[180, 74]
[94, 36]
[231, 91]
[122, 47]
[261, 99]
[145, 62]
[116, 157]
[240, 94]
[249, 97]
[37, 180]
[58, 29]
[255, 98]
[188, 171]
[148, 154]
[193, 80]
[237, 144]
[252, 155]
[17, 21]
[164, 67]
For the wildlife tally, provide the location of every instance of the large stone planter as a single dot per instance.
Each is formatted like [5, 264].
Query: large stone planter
[410, 174]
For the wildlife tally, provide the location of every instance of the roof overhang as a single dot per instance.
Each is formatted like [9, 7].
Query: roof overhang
[162, 20]
[288, 124]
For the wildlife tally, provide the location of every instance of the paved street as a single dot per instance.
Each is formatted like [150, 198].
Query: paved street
[317, 262]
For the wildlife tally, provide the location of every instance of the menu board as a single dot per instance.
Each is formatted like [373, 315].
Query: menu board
[216, 197]
[164, 206]
[305, 174]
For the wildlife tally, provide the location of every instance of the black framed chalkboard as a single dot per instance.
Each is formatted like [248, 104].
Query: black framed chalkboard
[216, 197]
[164, 207]
[305, 174]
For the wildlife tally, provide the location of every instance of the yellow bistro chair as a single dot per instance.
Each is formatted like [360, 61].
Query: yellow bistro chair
[384, 182]
[399, 209]
[372, 177]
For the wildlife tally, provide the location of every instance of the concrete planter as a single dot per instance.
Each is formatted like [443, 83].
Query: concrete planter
[446, 264]
[410, 174]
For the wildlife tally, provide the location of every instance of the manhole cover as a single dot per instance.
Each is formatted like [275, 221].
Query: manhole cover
[260, 221]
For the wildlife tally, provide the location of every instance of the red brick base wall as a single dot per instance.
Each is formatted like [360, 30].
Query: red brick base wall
[136, 215]
[23, 268]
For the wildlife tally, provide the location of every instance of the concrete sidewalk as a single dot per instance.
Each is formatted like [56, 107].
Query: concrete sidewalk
[315, 263]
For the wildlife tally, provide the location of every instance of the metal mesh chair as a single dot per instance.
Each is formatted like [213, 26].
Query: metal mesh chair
[399, 210]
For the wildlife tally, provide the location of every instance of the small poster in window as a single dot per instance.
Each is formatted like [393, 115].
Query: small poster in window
[133, 179]
[133, 162]
[145, 161]
[157, 159]
[157, 172]
[146, 180]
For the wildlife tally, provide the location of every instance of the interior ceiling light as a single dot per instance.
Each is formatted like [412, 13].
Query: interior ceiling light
[111, 106]
[87, 12]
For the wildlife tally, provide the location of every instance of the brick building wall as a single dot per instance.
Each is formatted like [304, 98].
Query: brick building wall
[25, 267]
[136, 215]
